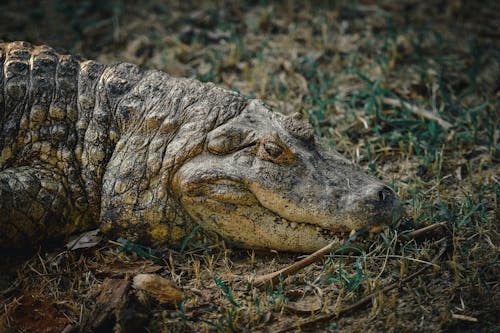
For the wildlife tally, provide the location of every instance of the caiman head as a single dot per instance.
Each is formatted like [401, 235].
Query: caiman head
[264, 181]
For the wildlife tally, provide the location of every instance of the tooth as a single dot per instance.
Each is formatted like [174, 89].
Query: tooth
[353, 231]
[318, 229]
[293, 225]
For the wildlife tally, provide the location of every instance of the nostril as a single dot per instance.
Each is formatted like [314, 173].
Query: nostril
[385, 193]
[381, 195]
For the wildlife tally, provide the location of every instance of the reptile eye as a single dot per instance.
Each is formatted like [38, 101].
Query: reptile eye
[273, 149]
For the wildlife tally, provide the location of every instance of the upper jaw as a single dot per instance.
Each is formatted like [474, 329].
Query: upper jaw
[232, 191]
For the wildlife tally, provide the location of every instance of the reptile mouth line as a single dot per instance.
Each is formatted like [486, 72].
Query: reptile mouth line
[239, 186]
[325, 233]
[330, 234]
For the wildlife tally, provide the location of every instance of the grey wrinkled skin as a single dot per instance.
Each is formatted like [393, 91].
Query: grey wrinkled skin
[146, 156]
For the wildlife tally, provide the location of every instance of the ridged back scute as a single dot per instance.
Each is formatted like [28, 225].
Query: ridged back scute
[16, 81]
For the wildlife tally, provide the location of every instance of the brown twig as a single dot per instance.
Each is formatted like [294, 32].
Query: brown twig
[274, 277]
[426, 230]
[364, 300]
[421, 112]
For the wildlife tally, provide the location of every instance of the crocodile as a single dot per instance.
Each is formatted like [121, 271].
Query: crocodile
[152, 158]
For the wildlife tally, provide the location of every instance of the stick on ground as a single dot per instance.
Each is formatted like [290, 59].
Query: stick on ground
[274, 277]
[419, 111]
[426, 230]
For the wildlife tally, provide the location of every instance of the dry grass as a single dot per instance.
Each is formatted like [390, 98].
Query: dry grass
[347, 65]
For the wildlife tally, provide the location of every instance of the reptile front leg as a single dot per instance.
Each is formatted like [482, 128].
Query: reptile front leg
[35, 206]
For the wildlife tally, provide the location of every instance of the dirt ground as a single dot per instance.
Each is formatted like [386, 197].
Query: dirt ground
[409, 90]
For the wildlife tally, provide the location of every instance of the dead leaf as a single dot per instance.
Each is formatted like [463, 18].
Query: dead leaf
[159, 287]
[85, 240]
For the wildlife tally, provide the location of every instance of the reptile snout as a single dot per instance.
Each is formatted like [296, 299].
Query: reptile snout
[384, 204]
[386, 194]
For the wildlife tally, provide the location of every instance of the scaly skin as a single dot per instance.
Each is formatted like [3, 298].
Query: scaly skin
[145, 155]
